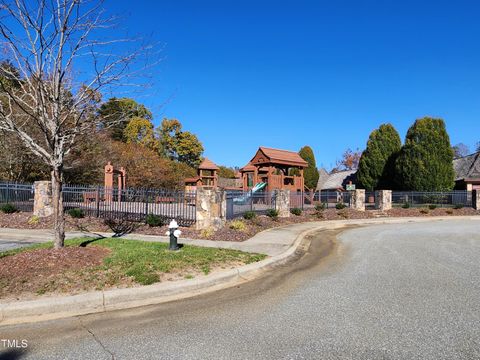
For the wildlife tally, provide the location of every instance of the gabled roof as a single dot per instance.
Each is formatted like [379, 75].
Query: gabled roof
[323, 176]
[208, 165]
[467, 167]
[248, 167]
[339, 180]
[283, 157]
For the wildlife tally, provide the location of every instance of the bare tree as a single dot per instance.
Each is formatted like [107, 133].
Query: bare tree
[460, 150]
[60, 62]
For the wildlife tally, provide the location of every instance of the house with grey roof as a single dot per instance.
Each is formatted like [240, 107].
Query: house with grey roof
[336, 181]
[467, 172]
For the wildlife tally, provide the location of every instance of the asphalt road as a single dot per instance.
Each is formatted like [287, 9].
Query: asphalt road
[407, 291]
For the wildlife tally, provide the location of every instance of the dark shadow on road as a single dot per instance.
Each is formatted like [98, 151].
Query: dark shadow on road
[12, 354]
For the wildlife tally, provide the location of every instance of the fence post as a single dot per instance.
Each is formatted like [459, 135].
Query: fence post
[211, 209]
[357, 199]
[43, 201]
[383, 200]
[97, 201]
[476, 199]
[282, 202]
[146, 204]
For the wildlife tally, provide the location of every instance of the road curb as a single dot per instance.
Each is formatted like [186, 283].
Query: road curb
[101, 301]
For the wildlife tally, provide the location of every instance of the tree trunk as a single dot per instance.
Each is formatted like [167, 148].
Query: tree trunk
[58, 216]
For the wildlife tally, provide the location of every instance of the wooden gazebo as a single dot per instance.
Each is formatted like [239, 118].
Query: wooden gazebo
[207, 176]
[279, 169]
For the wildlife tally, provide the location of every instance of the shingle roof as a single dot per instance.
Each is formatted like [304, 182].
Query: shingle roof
[208, 165]
[339, 180]
[323, 176]
[248, 167]
[467, 167]
[283, 156]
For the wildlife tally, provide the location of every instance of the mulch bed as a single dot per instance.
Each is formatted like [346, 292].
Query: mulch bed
[44, 270]
[21, 221]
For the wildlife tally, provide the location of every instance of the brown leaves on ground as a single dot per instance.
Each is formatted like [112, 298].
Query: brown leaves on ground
[37, 270]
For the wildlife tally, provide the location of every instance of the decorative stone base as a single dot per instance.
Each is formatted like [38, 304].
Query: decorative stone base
[282, 203]
[43, 203]
[383, 200]
[357, 200]
[211, 209]
[476, 199]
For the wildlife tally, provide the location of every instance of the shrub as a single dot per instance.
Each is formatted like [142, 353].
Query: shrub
[121, 226]
[206, 233]
[238, 225]
[33, 220]
[76, 213]
[8, 208]
[249, 215]
[340, 206]
[320, 207]
[155, 220]
[296, 211]
[343, 214]
[272, 213]
[432, 206]
[424, 211]
[458, 206]
[406, 205]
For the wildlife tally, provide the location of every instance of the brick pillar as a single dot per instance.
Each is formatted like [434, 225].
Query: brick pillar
[476, 199]
[42, 203]
[383, 200]
[211, 209]
[282, 202]
[357, 199]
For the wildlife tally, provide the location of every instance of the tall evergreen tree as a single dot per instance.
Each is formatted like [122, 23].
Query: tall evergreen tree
[311, 172]
[425, 162]
[377, 164]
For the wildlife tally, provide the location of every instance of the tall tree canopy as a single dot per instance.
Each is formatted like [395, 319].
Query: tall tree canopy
[376, 167]
[311, 172]
[425, 162]
[116, 113]
[182, 146]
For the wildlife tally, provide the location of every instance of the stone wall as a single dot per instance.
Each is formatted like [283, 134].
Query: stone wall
[357, 200]
[43, 203]
[282, 202]
[476, 199]
[383, 200]
[211, 208]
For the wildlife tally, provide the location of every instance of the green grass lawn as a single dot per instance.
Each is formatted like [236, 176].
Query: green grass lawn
[132, 261]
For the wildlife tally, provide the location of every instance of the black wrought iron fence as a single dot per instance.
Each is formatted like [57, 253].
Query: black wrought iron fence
[133, 204]
[21, 196]
[330, 198]
[455, 198]
[240, 202]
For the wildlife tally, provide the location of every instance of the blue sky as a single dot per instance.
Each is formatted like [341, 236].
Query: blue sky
[241, 74]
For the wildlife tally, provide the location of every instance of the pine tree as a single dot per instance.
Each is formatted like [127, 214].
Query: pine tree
[377, 164]
[311, 172]
[425, 162]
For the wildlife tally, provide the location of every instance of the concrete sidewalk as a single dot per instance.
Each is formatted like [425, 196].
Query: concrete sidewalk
[271, 242]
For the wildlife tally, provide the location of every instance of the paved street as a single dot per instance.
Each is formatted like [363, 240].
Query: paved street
[402, 291]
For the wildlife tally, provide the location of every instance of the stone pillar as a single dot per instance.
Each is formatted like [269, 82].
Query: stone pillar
[383, 200]
[43, 202]
[476, 199]
[211, 209]
[357, 199]
[282, 202]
